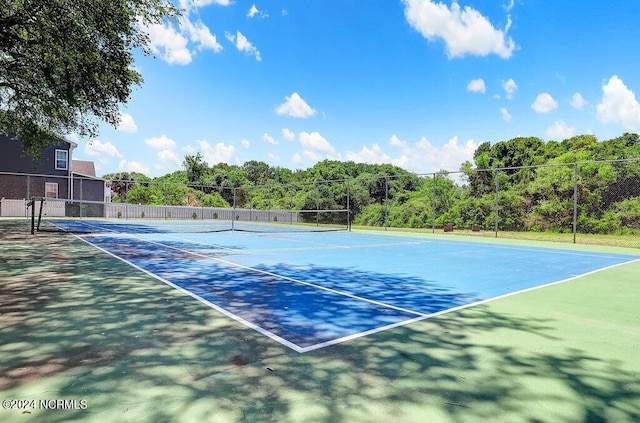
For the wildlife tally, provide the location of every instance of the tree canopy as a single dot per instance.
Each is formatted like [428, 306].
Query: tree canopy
[66, 64]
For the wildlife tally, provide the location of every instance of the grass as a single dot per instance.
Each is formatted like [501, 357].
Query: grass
[626, 241]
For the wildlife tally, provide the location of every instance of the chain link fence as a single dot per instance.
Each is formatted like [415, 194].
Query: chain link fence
[575, 202]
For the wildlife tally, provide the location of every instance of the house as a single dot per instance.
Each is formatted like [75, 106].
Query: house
[86, 185]
[53, 175]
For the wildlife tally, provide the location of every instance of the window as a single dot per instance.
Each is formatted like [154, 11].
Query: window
[62, 160]
[51, 190]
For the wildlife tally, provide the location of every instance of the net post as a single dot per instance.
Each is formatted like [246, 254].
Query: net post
[32, 203]
[40, 213]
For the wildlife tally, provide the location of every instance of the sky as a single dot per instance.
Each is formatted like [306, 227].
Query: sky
[415, 83]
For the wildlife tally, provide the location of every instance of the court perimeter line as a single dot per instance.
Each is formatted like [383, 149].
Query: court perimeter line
[319, 245]
[457, 308]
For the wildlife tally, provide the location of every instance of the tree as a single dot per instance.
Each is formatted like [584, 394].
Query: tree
[196, 167]
[66, 63]
[122, 182]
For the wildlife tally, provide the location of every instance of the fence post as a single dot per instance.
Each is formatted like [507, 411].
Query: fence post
[575, 200]
[233, 213]
[317, 203]
[433, 204]
[497, 199]
[269, 206]
[386, 202]
[348, 205]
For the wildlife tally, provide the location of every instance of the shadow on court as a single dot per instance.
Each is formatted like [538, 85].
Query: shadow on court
[78, 324]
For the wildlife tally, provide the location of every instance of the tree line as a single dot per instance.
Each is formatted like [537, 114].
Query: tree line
[534, 188]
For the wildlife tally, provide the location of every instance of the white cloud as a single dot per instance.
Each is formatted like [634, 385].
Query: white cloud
[295, 106]
[127, 123]
[297, 159]
[200, 34]
[167, 43]
[162, 142]
[254, 11]
[288, 134]
[618, 105]
[544, 103]
[245, 143]
[373, 155]
[505, 114]
[477, 86]
[273, 157]
[169, 156]
[127, 166]
[560, 131]
[421, 157]
[315, 141]
[510, 87]
[243, 44]
[166, 153]
[220, 153]
[188, 149]
[268, 138]
[201, 3]
[172, 42]
[312, 156]
[577, 101]
[464, 31]
[96, 148]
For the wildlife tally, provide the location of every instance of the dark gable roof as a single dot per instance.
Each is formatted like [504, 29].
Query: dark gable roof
[83, 167]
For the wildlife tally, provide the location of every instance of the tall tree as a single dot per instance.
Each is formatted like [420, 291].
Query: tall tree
[196, 167]
[65, 64]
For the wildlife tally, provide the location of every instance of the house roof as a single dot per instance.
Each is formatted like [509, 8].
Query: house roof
[71, 143]
[83, 167]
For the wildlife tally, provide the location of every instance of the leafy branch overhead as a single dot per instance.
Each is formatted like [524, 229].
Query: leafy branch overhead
[67, 64]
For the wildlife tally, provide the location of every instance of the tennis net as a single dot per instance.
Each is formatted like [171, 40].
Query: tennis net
[75, 216]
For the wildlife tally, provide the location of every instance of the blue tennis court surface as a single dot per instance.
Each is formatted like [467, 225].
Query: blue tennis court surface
[310, 290]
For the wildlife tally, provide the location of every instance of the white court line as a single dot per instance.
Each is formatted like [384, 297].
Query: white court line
[546, 250]
[462, 307]
[318, 245]
[202, 300]
[275, 275]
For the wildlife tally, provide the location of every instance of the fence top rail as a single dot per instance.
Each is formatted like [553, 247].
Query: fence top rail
[342, 180]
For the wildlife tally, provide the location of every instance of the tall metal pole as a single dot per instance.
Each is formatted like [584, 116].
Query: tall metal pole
[386, 202]
[233, 216]
[435, 193]
[348, 206]
[575, 200]
[497, 199]
[317, 204]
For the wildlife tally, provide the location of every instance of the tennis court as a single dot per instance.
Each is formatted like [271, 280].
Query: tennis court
[307, 326]
[309, 289]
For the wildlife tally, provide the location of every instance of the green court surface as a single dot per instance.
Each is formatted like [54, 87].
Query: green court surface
[78, 324]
